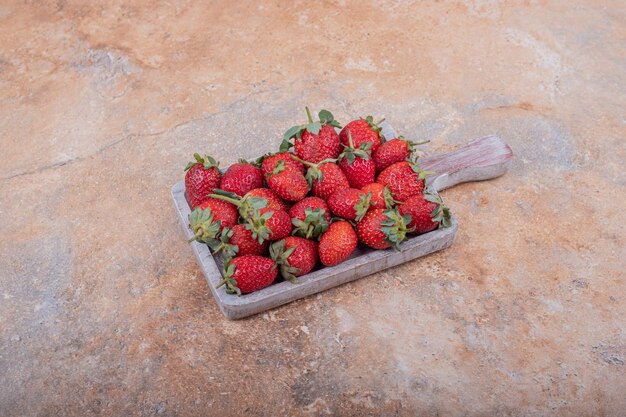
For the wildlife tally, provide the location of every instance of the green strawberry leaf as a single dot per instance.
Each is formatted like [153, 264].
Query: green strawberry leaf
[325, 116]
[432, 198]
[257, 202]
[285, 145]
[290, 133]
[280, 167]
[231, 283]
[314, 127]
[389, 201]
[362, 206]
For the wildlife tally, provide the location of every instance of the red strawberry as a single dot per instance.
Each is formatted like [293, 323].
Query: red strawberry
[242, 238]
[274, 202]
[288, 183]
[381, 196]
[225, 212]
[357, 164]
[241, 177]
[310, 217]
[269, 161]
[337, 244]
[202, 177]
[362, 130]
[381, 229]
[325, 178]
[237, 241]
[349, 203]
[249, 273]
[427, 211]
[392, 151]
[295, 256]
[404, 179]
[269, 224]
[315, 141]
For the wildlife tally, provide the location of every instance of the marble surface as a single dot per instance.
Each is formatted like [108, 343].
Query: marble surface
[103, 310]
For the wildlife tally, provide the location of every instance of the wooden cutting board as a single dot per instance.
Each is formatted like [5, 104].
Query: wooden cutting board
[482, 159]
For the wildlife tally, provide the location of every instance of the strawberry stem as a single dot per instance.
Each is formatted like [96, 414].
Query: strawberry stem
[307, 163]
[350, 139]
[219, 248]
[228, 199]
[308, 115]
[196, 236]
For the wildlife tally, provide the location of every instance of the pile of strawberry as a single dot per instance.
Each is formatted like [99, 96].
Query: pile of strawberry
[289, 210]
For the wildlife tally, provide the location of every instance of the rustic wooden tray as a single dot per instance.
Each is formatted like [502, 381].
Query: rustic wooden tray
[481, 159]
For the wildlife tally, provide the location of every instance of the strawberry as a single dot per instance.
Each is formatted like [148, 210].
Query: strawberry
[427, 212]
[295, 256]
[268, 224]
[325, 177]
[274, 202]
[246, 204]
[381, 229]
[202, 177]
[357, 164]
[395, 150]
[237, 241]
[268, 162]
[249, 273]
[338, 243]
[288, 182]
[381, 196]
[223, 211]
[349, 203]
[362, 130]
[404, 179]
[314, 141]
[241, 177]
[310, 217]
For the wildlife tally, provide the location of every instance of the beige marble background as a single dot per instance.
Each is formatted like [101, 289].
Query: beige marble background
[103, 310]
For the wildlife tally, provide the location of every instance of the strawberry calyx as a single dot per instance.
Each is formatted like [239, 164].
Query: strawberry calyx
[207, 162]
[245, 204]
[229, 281]
[375, 126]
[350, 153]
[388, 198]
[313, 172]
[256, 224]
[441, 213]
[280, 167]
[280, 255]
[395, 227]
[223, 244]
[421, 174]
[259, 161]
[362, 206]
[412, 145]
[326, 118]
[313, 225]
[204, 226]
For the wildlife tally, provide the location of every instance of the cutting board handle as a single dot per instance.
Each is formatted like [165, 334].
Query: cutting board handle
[482, 159]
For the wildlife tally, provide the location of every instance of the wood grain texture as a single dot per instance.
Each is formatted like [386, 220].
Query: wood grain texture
[481, 159]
